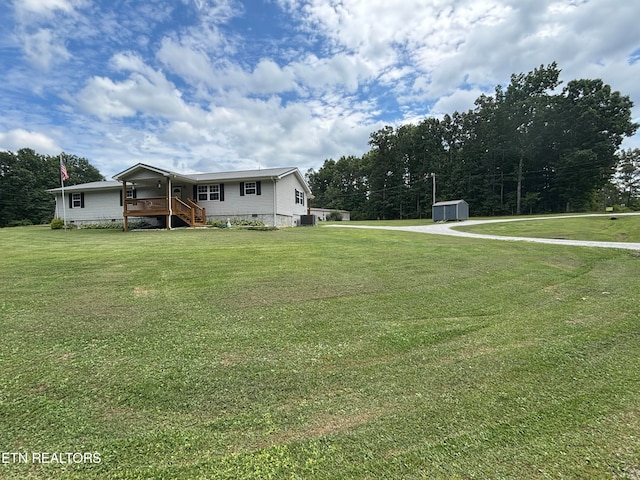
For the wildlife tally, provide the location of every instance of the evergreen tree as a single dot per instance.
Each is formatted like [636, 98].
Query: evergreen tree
[628, 176]
[526, 148]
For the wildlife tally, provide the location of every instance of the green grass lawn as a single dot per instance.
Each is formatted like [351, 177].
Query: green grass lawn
[609, 228]
[316, 353]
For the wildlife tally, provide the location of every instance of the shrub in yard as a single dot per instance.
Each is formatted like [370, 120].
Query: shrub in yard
[57, 224]
[236, 223]
[217, 223]
[103, 226]
[334, 216]
[133, 225]
[248, 223]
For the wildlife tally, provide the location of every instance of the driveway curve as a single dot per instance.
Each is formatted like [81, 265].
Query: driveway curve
[450, 229]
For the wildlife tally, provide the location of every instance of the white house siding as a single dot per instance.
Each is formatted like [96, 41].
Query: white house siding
[144, 175]
[259, 207]
[102, 203]
[99, 207]
[247, 207]
[287, 207]
[145, 192]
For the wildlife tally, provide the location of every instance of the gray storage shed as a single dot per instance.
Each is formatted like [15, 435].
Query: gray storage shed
[451, 210]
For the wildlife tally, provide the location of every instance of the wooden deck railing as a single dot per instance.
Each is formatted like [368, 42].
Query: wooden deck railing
[199, 212]
[146, 206]
[189, 211]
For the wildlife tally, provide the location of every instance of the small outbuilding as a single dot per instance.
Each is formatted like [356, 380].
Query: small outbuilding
[322, 213]
[453, 210]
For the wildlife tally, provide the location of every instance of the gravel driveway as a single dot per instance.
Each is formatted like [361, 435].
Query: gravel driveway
[450, 229]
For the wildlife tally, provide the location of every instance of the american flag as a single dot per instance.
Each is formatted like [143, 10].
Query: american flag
[63, 171]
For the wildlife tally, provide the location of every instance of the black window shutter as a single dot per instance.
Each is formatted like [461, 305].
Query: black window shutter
[120, 197]
[82, 200]
[222, 192]
[135, 193]
[302, 198]
[258, 190]
[242, 189]
[71, 200]
[195, 193]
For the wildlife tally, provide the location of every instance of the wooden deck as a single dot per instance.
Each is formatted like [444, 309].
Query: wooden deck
[188, 211]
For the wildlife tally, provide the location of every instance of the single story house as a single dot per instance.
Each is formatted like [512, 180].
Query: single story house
[451, 210]
[275, 196]
[322, 213]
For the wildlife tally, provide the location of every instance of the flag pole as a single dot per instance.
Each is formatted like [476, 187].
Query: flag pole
[63, 176]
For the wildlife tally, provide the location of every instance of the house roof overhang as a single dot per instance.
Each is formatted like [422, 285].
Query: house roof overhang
[142, 171]
[147, 173]
[253, 175]
[91, 186]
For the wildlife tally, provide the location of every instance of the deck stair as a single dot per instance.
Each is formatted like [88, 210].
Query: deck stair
[189, 212]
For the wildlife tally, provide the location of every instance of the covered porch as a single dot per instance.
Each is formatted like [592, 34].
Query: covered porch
[152, 192]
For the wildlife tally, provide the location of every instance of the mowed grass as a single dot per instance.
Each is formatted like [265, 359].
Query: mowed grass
[317, 353]
[607, 228]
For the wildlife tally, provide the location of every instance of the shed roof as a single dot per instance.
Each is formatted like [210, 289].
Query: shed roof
[450, 202]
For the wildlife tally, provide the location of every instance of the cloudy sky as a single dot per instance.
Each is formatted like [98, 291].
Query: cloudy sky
[216, 85]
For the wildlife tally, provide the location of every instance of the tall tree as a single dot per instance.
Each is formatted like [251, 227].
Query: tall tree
[628, 175]
[26, 175]
[528, 102]
[594, 122]
[383, 174]
[341, 185]
[426, 157]
[22, 197]
[527, 147]
[79, 169]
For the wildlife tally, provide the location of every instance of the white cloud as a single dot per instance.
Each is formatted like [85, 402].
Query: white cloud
[267, 77]
[102, 98]
[44, 7]
[145, 92]
[42, 29]
[187, 61]
[340, 70]
[16, 139]
[397, 41]
[43, 49]
[196, 90]
[217, 11]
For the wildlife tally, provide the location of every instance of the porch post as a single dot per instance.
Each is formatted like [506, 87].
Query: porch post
[275, 203]
[169, 203]
[124, 203]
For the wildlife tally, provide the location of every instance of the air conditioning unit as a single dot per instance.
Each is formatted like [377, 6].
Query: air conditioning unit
[308, 220]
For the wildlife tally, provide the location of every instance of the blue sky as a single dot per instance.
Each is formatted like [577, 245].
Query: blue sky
[217, 85]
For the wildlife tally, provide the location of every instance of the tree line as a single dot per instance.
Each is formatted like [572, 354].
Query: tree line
[26, 175]
[528, 148]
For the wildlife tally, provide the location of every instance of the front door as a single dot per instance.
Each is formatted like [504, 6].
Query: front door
[177, 191]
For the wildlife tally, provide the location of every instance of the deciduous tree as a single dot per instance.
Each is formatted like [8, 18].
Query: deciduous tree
[24, 178]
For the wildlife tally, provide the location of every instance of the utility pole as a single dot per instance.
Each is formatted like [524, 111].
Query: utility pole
[433, 176]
